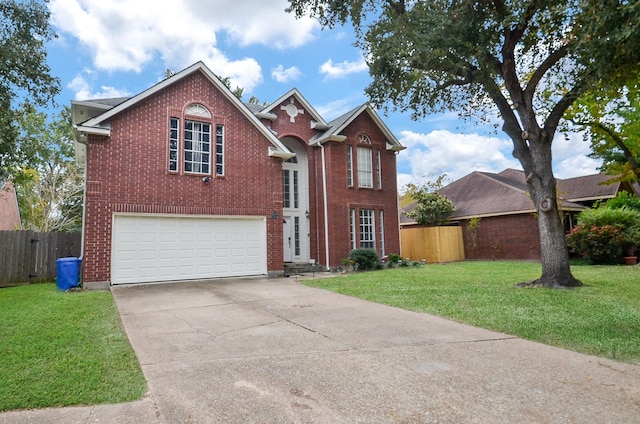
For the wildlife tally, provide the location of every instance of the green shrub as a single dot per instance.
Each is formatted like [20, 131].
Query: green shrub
[599, 244]
[365, 258]
[624, 199]
[393, 259]
[625, 219]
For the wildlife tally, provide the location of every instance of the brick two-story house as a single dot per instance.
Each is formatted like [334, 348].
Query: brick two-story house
[184, 181]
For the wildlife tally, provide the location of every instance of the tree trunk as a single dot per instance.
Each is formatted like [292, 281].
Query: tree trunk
[554, 256]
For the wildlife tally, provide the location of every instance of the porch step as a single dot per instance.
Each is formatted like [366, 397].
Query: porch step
[297, 268]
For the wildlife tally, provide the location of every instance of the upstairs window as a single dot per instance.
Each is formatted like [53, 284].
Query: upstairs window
[174, 128]
[350, 166]
[197, 147]
[378, 169]
[365, 168]
[219, 150]
[363, 138]
[193, 147]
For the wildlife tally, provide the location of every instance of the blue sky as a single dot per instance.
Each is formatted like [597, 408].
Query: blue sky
[115, 48]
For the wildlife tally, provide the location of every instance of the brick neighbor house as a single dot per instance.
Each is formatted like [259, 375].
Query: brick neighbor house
[498, 218]
[184, 181]
[9, 211]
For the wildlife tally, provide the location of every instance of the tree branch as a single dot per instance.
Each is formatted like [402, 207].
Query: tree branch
[535, 79]
[616, 139]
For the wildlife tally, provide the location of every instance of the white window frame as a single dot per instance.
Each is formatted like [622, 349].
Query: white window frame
[365, 167]
[352, 228]
[381, 228]
[350, 165]
[378, 169]
[219, 143]
[200, 151]
[174, 144]
[367, 228]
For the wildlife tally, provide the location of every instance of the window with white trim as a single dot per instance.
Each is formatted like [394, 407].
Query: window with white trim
[350, 165]
[220, 150]
[363, 138]
[197, 147]
[286, 189]
[381, 229]
[296, 235]
[290, 189]
[174, 140]
[367, 229]
[192, 148]
[365, 168]
[378, 169]
[352, 228]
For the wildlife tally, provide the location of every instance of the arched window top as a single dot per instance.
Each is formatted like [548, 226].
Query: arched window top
[363, 138]
[198, 110]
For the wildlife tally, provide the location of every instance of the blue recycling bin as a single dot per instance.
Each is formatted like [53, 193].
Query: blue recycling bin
[67, 273]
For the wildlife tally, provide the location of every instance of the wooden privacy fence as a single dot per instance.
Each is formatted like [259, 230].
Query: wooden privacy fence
[435, 244]
[30, 257]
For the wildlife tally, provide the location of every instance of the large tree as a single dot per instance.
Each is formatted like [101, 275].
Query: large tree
[25, 76]
[50, 189]
[526, 59]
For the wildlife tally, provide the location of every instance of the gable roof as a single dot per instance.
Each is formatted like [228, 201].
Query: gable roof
[98, 124]
[589, 187]
[318, 122]
[338, 125]
[483, 194]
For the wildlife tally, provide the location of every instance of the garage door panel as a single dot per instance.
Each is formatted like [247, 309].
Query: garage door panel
[159, 248]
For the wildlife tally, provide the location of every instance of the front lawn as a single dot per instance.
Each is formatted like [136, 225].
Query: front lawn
[602, 318]
[64, 348]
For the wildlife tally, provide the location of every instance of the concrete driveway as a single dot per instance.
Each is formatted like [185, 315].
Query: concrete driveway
[275, 351]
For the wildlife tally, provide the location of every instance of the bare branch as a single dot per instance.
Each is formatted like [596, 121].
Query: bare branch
[549, 62]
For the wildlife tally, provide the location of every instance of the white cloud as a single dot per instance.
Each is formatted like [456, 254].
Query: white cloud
[282, 75]
[84, 89]
[126, 35]
[442, 152]
[570, 156]
[340, 70]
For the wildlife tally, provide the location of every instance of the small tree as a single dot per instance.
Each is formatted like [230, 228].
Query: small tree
[432, 208]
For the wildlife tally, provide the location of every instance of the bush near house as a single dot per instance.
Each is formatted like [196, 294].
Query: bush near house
[605, 234]
[365, 258]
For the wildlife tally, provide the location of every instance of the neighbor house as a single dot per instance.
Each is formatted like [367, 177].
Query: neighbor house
[184, 181]
[498, 218]
[9, 212]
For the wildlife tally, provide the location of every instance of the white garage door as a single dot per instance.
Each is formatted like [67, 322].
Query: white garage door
[168, 248]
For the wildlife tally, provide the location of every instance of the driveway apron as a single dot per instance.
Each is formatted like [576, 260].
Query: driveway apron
[276, 351]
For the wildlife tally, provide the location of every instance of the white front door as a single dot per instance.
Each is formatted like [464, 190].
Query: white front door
[286, 231]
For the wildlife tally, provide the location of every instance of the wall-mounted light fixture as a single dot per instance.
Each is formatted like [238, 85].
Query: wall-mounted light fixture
[206, 179]
[306, 213]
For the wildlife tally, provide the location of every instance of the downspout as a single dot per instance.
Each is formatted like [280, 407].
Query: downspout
[84, 203]
[325, 206]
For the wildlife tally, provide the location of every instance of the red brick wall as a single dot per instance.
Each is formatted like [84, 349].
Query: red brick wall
[504, 237]
[9, 214]
[128, 172]
[344, 198]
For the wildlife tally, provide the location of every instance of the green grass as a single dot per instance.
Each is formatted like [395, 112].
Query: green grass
[601, 318]
[64, 348]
